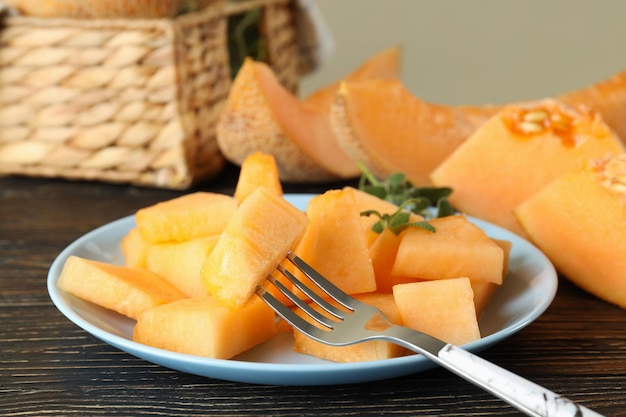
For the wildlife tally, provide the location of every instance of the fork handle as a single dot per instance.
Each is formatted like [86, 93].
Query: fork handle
[527, 396]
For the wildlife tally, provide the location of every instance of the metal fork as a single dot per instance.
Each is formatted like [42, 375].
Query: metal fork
[356, 322]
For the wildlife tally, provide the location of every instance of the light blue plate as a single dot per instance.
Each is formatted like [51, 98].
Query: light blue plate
[526, 293]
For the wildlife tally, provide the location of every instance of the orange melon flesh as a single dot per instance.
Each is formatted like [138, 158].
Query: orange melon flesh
[258, 170]
[578, 221]
[383, 255]
[385, 65]
[511, 157]
[205, 327]
[443, 309]
[367, 351]
[256, 239]
[134, 248]
[334, 243]
[606, 97]
[484, 291]
[180, 263]
[125, 290]
[261, 115]
[381, 124]
[458, 248]
[366, 201]
[189, 216]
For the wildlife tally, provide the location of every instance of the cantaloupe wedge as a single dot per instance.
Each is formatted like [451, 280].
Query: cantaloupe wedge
[578, 222]
[258, 170]
[180, 263]
[367, 351]
[255, 240]
[334, 243]
[443, 309]
[205, 327]
[606, 97]
[261, 115]
[388, 129]
[518, 151]
[125, 290]
[189, 216]
[458, 248]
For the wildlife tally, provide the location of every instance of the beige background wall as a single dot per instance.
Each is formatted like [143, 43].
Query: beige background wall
[480, 51]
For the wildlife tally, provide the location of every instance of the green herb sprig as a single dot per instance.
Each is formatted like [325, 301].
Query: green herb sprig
[428, 202]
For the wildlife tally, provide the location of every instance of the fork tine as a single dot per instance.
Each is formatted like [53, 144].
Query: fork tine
[314, 314]
[331, 309]
[325, 285]
[290, 316]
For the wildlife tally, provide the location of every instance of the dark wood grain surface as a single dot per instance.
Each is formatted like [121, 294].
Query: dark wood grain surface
[50, 367]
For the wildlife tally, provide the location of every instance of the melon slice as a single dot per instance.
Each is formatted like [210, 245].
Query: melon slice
[443, 309]
[382, 125]
[256, 239]
[578, 222]
[334, 243]
[180, 263]
[261, 115]
[205, 327]
[258, 170]
[458, 248]
[518, 151]
[125, 290]
[186, 217]
[606, 97]
[366, 351]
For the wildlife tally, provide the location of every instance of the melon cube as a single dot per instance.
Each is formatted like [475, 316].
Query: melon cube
[186, 217]
[125, 290]
[334, 243]
[257, 238]
[180, 263]
[443, 309]
[366, 351]
[484, 291]
[205, 327]
[134, 248]
[383, 255]
[457, 248]
[258, 170]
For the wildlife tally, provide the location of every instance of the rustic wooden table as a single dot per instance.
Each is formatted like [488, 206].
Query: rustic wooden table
[50, 367]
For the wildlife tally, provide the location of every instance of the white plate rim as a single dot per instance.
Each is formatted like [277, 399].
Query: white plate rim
[537, 272]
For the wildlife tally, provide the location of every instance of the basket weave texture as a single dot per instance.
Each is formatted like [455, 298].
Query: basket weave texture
[126, 100]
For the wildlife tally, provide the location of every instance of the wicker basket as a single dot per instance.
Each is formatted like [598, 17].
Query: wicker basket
[126, 100]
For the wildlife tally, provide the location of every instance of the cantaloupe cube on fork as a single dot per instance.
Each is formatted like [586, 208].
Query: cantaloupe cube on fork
[205, 327]
[125, 290]
[256, 239]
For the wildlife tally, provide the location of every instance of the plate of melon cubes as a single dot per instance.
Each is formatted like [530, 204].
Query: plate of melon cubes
[175, 283]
